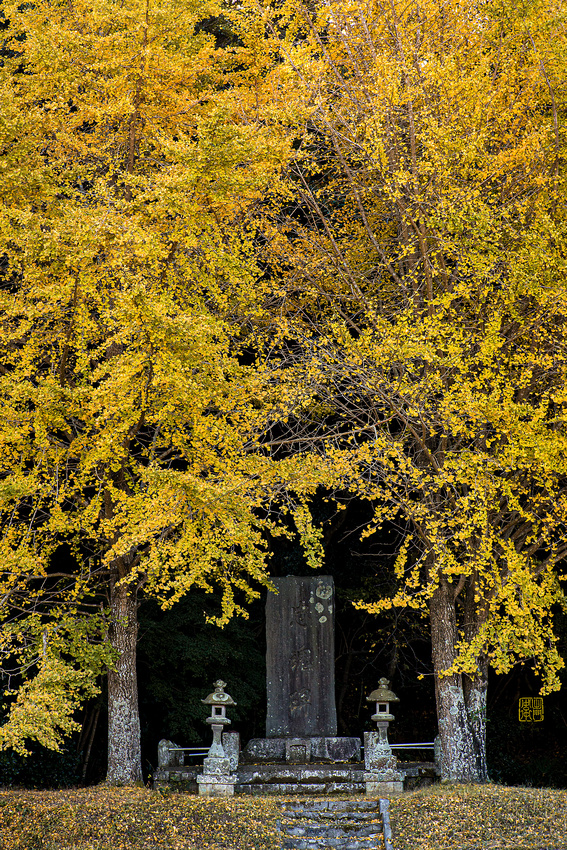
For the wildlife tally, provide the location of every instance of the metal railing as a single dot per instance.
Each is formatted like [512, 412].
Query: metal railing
[202, 751]
[428, 745]
[193, 751]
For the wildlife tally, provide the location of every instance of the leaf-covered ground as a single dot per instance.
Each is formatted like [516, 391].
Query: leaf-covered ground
[457, 818]
[480, 817]
[133, 819]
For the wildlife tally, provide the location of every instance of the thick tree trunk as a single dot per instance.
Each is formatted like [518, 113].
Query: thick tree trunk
[475, 701]
[124, 757]
[459, 761]
[476, 688]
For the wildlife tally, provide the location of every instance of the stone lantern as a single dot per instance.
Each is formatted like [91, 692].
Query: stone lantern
[381, 776]
[217, 779]
[383, 696]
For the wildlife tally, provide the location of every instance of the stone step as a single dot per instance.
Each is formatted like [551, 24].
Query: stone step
[335, 825]
[345, 830]
[332, 844]
[308, 788]
[332, 805]
[336, 817]
[333, 809]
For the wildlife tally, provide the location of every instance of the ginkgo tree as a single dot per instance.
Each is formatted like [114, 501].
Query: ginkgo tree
[422, 256]
[132, 150]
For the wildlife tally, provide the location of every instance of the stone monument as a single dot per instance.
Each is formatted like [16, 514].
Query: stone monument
[300, 658]
[301, 720]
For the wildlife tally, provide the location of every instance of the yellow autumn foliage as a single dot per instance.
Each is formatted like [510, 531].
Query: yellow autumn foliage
[133, 150]
[424, 259]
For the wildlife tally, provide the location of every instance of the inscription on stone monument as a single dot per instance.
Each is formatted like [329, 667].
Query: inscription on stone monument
[300, 658]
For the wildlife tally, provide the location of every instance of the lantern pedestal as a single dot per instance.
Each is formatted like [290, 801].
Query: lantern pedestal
[216, 786]
[377, 787]
[381, 774]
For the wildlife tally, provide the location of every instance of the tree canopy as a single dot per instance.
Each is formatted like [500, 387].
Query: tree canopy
[424, 261]
[328, 253]
[132, 151]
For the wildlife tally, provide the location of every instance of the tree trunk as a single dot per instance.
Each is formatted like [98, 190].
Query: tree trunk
[475, 701]
[459, 761]
[476, 688]
[124, 757]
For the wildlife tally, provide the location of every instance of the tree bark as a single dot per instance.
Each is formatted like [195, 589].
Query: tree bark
[475, 701]
[475, 688]
[459, 761]
[124, 756]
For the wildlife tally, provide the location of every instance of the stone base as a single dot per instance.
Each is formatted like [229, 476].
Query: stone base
[178, 778]
[380, 784]
[215, 766]
[300, 780]
[295, 779]
[383, 789]
[301, 750]
[216, 786]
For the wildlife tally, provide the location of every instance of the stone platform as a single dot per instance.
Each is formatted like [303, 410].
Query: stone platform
[318, 779]
[314, 779]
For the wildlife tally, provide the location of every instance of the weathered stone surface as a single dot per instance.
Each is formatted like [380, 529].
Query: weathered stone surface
[300, 779]
[216, 766]
[216, 786]
[303, 780]
[375, 751]
[263, 750]
[341, 825]
[266, 773]
[336, 750]
[328, 749]
[373, 789]
[300, 658]
[297, 750]
[180, 778]
[231, 747]
[419, 774]
[168, 754]
[382, 776]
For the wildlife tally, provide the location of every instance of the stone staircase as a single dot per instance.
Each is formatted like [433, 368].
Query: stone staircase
[336, 824]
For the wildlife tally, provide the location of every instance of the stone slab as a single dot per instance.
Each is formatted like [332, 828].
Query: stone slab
[383, 784]
[318, 749]
[231, 747]
[300, 658]
[214, 766]
[169, 755]
[282, 779]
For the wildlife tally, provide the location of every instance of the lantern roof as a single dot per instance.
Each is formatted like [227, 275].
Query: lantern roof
[218, 697]
[382, 693]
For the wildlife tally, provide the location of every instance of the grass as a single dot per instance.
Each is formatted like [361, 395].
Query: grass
[488, 817]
